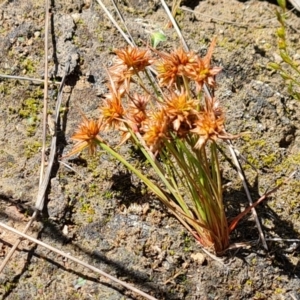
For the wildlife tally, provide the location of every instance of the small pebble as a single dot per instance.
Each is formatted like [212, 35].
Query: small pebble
[76, 17]
[37, 34]
[65, 230]
[198, 257]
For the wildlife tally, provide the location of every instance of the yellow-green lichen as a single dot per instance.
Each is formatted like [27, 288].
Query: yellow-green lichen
[30, 110]
[31, 148]
[28, 66]
[289, 163]
[86, 208]
[4, 90]
[259, 153]
[108, 195]
[279, 291]
[249, 282]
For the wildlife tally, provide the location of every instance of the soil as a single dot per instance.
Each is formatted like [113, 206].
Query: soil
[100, 213]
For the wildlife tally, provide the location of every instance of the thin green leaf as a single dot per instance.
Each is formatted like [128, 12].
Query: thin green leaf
[157, 37]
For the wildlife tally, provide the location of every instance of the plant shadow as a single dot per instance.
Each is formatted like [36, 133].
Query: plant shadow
[280, 249]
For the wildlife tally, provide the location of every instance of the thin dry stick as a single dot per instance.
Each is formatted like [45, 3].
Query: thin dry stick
[115, 23]
[178, 31]
[28, 79]
[236, 161]
[242, 177]
[15, 246]
[123, 20]
[283, 240]
[293, 296]
[69, 167]
[39, 204]
[126, 285]
[43, 158]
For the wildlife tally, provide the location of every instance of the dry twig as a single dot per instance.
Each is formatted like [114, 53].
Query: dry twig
[94, 269]
[28, 79]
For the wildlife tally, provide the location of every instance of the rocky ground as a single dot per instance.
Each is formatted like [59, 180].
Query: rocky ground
[100, 213]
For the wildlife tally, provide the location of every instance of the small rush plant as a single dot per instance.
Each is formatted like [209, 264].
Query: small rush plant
[177, 129]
